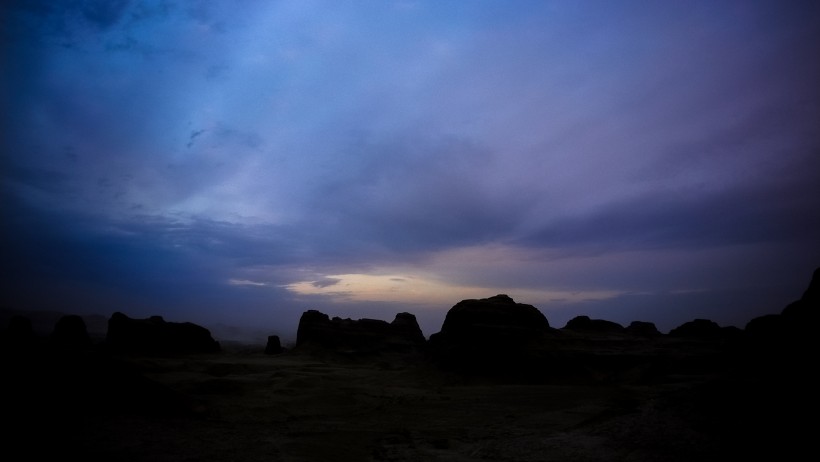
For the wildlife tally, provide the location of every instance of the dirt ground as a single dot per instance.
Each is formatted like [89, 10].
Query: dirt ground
[243, 405]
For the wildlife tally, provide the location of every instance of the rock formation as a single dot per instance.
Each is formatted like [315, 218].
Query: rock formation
[492, 320]
[698, 328]
[643, 329]
[362, 335]
[274, 345]
[769, 380]
[156, 336]
[795, 325]
[584, 323]
[492, 336]
[70, 334]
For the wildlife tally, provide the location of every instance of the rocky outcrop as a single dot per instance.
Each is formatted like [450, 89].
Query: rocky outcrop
[795, 325]
[54, 380]
[273, 346]
[155, 336]
[492, 320]
[362, 335]
[584, 323]
[494, 336]
[70, 334]
[643, 329]
[769, 376]
[406, 326]
[698, 328]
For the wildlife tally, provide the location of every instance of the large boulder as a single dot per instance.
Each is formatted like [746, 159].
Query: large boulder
[494, 335]
[361, 335]
[643, 329]
[273, 346]
[488, 320]
[698, 329]
[406, 326]
[70, 334]
[154, 336]
[584, 323]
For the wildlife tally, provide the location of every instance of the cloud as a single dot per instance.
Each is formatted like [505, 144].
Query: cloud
[245, 282]
[326, 282]
[765, 210]
[174, 153]
[422, 290]
[412, 192]
[104, 13]
[193, 136]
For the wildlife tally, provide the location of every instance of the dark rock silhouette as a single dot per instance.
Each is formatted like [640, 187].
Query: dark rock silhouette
[407, 326]
[362, 335]
[492, 336]
[767, 383]
[70, 334]
[584, 323]
[698, 328]
[766, 326]
[19, 337]
[794, 326]
[43, 322]
[51, 383]
[703, 392]
[487, 320]
[273, 346]
[155, 336]
[643, 329]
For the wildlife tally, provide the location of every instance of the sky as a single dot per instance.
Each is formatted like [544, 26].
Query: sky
[236, 163]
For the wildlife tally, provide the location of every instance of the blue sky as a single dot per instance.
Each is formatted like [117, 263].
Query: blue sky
[240, 162]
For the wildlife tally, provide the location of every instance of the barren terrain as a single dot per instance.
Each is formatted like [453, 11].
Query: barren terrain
[243, 405]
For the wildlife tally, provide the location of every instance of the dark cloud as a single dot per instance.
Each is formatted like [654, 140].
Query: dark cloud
[87, 263]
[325, 282]
[152, 11]
[771, 209]
[104, 13]
[415, 193]
[193, 136]
[228, 135]
[44, 179]
[48, 22]
[54, 246]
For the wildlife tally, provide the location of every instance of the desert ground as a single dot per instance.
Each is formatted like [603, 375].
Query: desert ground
[243, 405]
